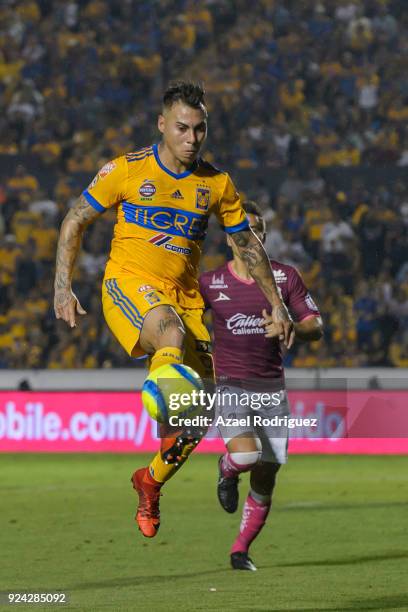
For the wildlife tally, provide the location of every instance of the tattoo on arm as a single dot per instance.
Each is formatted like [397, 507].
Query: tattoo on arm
[69, 242]
[253, 254]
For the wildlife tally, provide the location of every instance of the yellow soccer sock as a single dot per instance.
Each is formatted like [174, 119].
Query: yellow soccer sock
[167, 354]
[159, 470]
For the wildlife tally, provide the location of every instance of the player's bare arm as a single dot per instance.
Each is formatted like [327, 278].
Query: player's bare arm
[253, 254]
[309, 330]
[66, 304]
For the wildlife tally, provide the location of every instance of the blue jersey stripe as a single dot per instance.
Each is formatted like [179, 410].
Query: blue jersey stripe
[93, 202]
[132, 159]
[130, 304]
[237, 228]
[173, 221]
[123, 306]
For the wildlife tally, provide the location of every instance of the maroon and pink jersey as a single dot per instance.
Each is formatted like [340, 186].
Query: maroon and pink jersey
[241, 349]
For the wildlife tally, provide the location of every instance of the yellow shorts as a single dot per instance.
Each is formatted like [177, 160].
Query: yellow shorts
[127, 300]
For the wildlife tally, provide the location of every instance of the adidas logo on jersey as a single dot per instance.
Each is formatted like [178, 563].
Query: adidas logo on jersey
[280, 276]
[177, 195]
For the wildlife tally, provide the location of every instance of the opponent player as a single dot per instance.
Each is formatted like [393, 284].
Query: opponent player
[164, 195]
[249, 359]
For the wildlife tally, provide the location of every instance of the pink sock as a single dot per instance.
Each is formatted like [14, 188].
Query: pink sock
[230, 469]
[253, 519]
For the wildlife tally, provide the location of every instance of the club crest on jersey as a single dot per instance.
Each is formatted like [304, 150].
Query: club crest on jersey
[218, 283]
[202, 198]
[152, 298]
[280, 276]
[147, 190]
[165, 241]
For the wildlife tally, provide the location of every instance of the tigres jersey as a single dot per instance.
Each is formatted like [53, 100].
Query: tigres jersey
[162, 217]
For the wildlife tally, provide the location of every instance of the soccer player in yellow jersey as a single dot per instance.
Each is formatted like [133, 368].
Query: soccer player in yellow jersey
[163, 195]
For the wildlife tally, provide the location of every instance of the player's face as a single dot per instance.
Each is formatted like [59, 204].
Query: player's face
[257, 225]
[184, 131]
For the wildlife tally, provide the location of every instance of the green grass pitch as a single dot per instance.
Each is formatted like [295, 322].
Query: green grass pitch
[336, 539]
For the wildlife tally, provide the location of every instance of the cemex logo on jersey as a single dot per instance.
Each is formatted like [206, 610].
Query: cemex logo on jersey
[280, 276]
[218, 283]
[177, 195]
[162, 240]
[241, 324]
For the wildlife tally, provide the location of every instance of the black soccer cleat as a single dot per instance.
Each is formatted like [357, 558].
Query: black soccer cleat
[227, 491]
[241, 561]
[173, 448]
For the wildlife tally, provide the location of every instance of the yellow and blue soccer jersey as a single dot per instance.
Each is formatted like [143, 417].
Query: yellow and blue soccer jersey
[162, 218]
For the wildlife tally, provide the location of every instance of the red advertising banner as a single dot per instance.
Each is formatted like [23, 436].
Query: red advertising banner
[321, 422]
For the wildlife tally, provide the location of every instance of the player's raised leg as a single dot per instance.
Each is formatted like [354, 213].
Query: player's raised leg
[162, 337]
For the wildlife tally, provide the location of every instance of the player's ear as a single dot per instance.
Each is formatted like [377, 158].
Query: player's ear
[160, 123]
[229, 241]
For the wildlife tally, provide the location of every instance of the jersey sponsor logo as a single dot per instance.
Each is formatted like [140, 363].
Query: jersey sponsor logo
[240, 324]
[202, 198]
[175, 222]
[221, 297]
[218, 283]
[177, 195]
[310, 303]
[280, 276]
[147, 190]
[144, 288]
[162, 240]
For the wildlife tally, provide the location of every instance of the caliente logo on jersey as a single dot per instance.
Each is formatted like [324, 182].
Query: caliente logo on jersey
[241, 324]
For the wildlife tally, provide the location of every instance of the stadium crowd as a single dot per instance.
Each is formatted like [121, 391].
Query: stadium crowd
[292, 86]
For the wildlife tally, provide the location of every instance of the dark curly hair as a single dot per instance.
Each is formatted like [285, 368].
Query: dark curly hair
[188, 92]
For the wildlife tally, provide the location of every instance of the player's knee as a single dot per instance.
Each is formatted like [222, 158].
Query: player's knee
[245, 443]
[246, 460]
